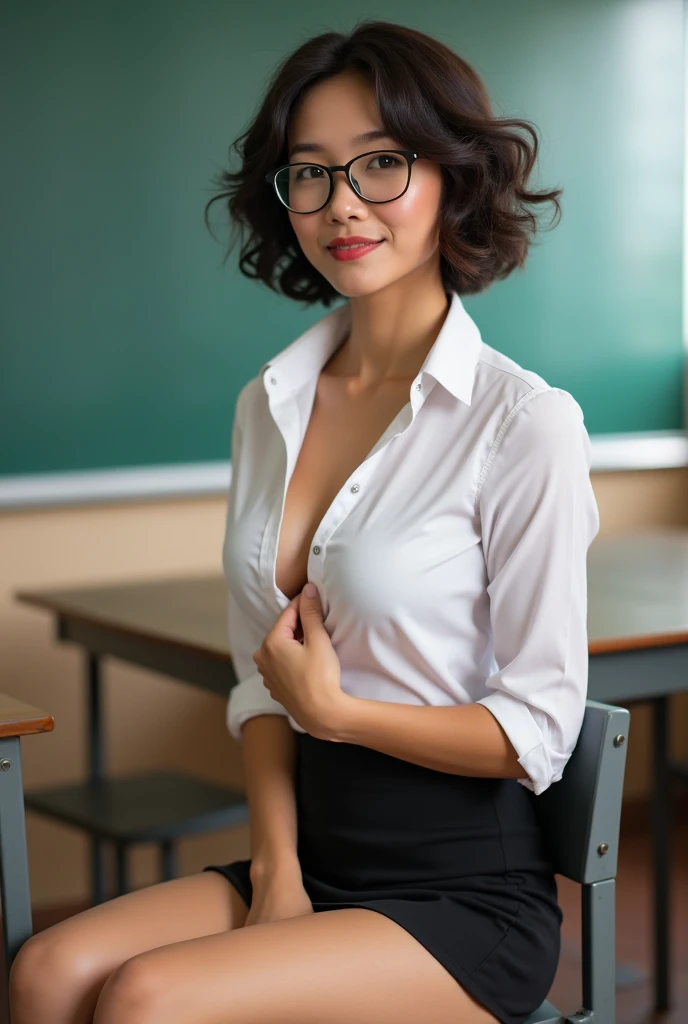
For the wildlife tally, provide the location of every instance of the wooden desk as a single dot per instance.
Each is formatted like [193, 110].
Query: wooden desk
[17, 719]
[638, 643]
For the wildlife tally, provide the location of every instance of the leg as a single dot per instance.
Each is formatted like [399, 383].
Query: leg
[95, 759]
[336, 966]
[58, 973]
[121, 850]
[661, 811]
[17, 923]
[168, 860]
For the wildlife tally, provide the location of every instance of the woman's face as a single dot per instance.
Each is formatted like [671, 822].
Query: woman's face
[329, 116]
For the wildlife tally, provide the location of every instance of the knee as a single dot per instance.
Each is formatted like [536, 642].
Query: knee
[43, 972]
[135, 992]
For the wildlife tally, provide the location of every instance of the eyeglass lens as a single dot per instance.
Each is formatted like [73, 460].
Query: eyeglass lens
[379, 176]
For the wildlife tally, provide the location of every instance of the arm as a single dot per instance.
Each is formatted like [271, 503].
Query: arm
[257, 721]
[539, 515]
[269, 749]
[250, 696]
[464, 739]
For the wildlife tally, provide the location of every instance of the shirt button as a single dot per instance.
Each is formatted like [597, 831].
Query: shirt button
[355, 488]
[418, 386]
[273, 380]
[316, 550]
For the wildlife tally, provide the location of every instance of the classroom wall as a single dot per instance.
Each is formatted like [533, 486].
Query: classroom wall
[154, 722]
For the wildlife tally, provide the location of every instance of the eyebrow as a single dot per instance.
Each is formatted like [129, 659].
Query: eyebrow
[312, 147]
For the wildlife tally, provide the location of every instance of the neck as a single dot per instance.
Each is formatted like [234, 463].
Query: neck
[391, 333]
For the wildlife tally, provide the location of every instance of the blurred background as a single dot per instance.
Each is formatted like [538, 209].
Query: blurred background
[125, 340]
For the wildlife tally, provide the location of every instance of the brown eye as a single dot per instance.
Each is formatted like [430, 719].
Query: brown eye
[302, 174]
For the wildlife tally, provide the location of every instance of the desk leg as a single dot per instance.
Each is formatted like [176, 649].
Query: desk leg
[17, 923]
[95, 754]
[661, 841]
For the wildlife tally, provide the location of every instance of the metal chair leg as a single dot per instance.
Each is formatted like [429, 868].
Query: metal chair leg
[122, 879]
[168, 860]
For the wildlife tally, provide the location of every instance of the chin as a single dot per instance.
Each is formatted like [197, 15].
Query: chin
[357, 289]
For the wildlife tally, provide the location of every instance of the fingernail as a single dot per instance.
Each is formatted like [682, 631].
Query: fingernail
[310, 590]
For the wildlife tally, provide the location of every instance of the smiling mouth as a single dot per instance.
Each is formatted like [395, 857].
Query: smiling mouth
[354, 252]
[356, 245]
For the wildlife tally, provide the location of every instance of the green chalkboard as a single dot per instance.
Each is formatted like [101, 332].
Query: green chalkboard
[125, 340]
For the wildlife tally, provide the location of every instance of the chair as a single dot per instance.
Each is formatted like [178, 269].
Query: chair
[580, 818]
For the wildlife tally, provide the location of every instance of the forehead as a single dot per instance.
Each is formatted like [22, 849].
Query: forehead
[333, 112]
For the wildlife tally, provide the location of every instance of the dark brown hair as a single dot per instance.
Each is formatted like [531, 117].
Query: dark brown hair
[434, 103]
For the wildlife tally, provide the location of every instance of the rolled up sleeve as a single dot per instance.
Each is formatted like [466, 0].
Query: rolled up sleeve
[250, 696]
[538, 518]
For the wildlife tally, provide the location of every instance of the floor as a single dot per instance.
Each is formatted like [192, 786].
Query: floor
[633, 934]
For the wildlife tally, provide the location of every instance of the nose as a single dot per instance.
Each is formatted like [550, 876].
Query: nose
[344, 199]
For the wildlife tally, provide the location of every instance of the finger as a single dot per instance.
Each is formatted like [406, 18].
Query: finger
[288, 616]
[311, 615]
[287, 624]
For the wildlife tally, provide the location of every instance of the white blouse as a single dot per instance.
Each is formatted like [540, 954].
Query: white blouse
[451, 565]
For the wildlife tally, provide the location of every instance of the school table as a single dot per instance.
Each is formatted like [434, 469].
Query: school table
[638, 645]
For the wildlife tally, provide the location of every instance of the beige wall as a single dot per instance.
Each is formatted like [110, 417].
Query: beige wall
[69, 547]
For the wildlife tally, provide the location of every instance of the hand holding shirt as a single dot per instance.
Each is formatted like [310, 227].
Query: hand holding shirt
[303, 677]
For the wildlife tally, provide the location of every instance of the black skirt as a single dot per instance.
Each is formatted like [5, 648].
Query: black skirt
[459, 862]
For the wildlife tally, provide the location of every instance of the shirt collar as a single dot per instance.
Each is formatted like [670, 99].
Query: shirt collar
[451, 361]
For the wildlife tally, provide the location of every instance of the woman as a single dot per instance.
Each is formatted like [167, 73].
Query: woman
[398, 725]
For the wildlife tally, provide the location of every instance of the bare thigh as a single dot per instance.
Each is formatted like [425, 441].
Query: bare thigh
[59, 972]
[338, 966]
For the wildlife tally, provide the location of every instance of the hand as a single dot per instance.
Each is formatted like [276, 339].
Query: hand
[303, 677]
[277, 896]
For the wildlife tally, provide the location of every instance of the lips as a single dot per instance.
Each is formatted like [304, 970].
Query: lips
[352, 240]
[353, 251]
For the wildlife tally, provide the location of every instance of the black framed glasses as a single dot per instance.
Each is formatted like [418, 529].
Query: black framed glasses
[379, 176]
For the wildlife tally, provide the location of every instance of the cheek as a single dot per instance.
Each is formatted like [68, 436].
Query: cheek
[414, 216]
[422, 199]
[306, 230]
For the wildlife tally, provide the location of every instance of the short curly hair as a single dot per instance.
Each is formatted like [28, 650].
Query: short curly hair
[434, 103]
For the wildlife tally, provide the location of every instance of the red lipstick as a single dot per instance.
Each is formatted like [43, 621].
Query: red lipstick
[360, 246]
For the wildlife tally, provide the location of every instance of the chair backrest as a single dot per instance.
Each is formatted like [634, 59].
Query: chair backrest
[580, 814]
[580, 817]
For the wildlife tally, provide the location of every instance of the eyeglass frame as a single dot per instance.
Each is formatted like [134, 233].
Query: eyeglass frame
[410, 156]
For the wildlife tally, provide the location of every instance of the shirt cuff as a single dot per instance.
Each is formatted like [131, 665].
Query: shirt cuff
[248, 698]
[532, 752]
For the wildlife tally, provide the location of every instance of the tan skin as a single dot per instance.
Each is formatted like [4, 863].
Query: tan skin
[188, 951]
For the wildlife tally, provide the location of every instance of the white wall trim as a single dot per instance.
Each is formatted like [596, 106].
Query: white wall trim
[657, 449]
[660, 449]
[91, 487]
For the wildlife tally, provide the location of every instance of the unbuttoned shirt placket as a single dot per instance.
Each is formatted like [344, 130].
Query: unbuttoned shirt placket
[291, 418]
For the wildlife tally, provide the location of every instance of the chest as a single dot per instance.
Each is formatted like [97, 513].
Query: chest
[374, 503]
[341, 431]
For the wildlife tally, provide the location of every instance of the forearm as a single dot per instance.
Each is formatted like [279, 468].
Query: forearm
[269, 753]
[465, 739]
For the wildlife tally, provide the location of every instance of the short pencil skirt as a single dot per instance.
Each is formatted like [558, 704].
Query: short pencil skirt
[459, 862]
